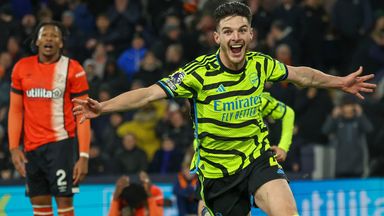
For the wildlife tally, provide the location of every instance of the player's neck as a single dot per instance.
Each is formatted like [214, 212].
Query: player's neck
[224, 60]
[49, 59]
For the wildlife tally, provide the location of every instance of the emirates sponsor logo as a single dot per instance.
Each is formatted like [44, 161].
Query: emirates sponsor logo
[44, 93]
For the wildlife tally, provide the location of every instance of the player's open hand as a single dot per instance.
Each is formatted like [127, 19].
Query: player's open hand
[19, 160]
[356, 84]
[121, 183]
[80, 170]
[86, 108]
[280, 154]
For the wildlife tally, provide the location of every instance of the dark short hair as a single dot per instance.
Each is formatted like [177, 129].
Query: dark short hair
[348, 99]
[35, 35]
[135, 195]
[232, 9]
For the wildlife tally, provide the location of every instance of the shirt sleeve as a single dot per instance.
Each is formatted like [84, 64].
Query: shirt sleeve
[78, 80]
[16, 86]
[181, 84]
[275, 70]
[276, 110]
[270, 107]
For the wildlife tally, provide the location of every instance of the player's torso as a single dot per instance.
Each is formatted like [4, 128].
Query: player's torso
[230, 125]
[47, 106]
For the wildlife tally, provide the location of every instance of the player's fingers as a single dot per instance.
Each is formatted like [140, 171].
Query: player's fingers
[91, 102]
[368, 90]
[359, 96]
[79, 101]
[78, 108]
[368, 85]
[82, 119]
[365, 78]
[358, 72]
[75, 175]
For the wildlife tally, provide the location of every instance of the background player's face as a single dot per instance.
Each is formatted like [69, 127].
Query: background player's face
[49, 41]
[233, 34]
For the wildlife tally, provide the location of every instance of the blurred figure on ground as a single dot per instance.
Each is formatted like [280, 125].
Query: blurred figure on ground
[129, 199]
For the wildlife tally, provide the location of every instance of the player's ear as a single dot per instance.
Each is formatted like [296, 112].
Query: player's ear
[216, 36]
[251, 33]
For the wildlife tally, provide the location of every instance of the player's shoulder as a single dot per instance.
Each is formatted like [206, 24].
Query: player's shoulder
[27, 60]
[257, 56]
[199, 63]
[74, 63]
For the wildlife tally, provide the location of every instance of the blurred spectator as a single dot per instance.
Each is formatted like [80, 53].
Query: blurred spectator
[111, 142]
[143, 126]
[131, 159]
[176, 127]
[8, 26]
[122, 15]
[98, 161]
[351, 19]
[184, 190]
[6, 167]
[28, 23]
[58, 7]
[129, 60]
[171, 33]
[348, 125]
[159, 9]
[5, 65]
[100, 59]
[370, 52]
[93, 80]
[75, 37]
[173, 59]
[44, 14]
[4, 87]
[203, 31]
[284, 54]
[114, 78]
[261, 18]
[290, 13]
[282, 34]
[84, 19]
[14, 49]
[312, 107]
[313, 23]
[104, 34]
[150, 70]
[167, 159]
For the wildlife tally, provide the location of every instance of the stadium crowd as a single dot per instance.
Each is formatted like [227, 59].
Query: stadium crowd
[128, 44]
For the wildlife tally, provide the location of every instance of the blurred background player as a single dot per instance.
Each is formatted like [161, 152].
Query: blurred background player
[41, 92]
[136, 199]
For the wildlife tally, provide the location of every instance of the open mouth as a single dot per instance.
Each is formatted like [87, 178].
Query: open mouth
[48, 46]
[236, 48]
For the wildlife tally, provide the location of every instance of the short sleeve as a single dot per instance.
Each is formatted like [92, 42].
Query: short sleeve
[272, 107]
[16, 86]
[276, 71]
[181, 84]
[78, 80]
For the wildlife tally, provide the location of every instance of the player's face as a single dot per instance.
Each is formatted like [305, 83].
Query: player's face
[49, 41]
[233, 34]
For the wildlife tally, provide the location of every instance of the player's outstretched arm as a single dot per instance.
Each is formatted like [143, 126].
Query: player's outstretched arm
[126, 101]
[352, 83]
